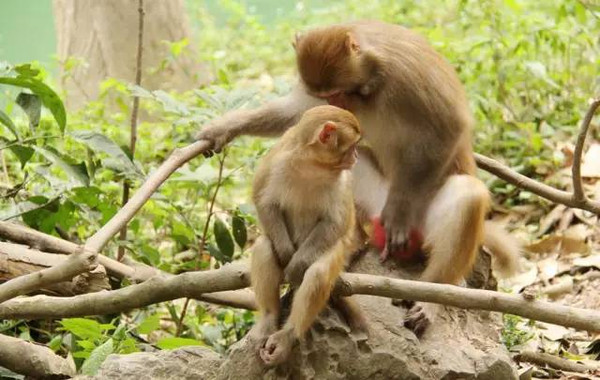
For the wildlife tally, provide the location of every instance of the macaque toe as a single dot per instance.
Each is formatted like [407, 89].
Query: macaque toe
[277, 348]
[417, 320]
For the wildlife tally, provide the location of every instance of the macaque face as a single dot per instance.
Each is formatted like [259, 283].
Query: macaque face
[329, 65]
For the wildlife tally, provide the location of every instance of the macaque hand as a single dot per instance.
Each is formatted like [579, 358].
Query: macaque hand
[397, 219]
[217, 135]
[294, 271]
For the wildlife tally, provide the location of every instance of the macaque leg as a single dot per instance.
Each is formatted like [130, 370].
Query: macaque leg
[453, 232]
[266, 277]
[309, 300]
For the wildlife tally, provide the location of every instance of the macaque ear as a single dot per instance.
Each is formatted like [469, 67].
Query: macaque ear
[328, 132]
[351, 44]
[297, 37]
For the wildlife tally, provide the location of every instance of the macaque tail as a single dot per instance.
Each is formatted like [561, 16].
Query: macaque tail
[504, 248]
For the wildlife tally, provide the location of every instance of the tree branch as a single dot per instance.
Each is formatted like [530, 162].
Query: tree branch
[134, 116]
[578, 194]
[179, 157]
[74, 264]
[33, 360]
[236, 276]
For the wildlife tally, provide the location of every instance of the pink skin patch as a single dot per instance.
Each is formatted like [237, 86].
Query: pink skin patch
[415, 240]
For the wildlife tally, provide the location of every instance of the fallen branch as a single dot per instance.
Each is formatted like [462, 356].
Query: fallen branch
[236, 276]
[154, 290]
[75, 264]
[18, 260]
[48, 243]
[33, 360]
[555, 362]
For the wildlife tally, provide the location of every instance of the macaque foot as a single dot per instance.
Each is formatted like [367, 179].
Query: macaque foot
[266, 326]
[420, 317]
[278, 347]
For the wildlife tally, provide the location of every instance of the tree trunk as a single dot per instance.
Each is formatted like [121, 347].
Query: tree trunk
[97, 40]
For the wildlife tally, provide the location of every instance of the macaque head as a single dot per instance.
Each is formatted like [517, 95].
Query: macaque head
[330, 62]
[331, 135]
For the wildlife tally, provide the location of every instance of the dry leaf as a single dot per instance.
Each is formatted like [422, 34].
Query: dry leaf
[590, 261]
[550, 219]
[552, 332]
[559, 244]
[590, 168]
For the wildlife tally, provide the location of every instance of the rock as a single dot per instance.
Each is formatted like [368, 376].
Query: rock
[193, 362]
[459, 345]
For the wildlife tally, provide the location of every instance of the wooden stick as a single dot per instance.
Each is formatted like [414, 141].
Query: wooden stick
[33, 360]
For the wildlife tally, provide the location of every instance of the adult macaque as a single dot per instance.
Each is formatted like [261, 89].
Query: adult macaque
[303, 196]
[415, 118]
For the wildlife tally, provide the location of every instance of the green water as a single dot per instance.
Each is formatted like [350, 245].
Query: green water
[27, 31]
[27, 26]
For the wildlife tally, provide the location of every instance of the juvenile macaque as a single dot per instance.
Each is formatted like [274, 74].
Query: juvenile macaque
[303, 196]
[419, 172]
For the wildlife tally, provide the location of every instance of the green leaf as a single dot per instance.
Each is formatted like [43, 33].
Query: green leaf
[214, 252]
[23, 153]
[6, 120]
[173, 342]
[83, 328]
[76, 171]
[55, 343]
[100, 143]
[32, 105]
[49, 98]
[239, 230]
[223, 238]
[25, 70]
[151, 323]
[97, 357]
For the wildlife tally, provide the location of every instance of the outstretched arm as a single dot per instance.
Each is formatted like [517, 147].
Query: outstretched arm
[271, 119]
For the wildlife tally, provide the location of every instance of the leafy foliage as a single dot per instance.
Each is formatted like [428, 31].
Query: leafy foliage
[528, 66]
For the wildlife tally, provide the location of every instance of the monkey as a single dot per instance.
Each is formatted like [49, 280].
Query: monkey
[303, 195]
[416, 123]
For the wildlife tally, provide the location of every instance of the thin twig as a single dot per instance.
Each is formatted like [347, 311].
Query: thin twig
[578, 194]
[134, 117]
[204, 233]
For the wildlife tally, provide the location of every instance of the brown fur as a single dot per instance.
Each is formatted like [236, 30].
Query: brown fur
[304, 201]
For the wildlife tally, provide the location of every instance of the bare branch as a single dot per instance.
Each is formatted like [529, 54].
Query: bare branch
[18, 260]
[33, 360]
[555, 362]
[48, 243]
[236, 276]
[176, 159]
[75, 264]
[155, 290]
[134, 115]
[241, 299]
[544, 191]
[578, 194]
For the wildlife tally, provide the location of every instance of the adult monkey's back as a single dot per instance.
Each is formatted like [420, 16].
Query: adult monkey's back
[419, 173]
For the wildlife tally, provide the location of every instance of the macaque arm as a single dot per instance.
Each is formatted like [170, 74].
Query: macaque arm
[324, 235]
[271, 119]
[421, 167]
[274, 225]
